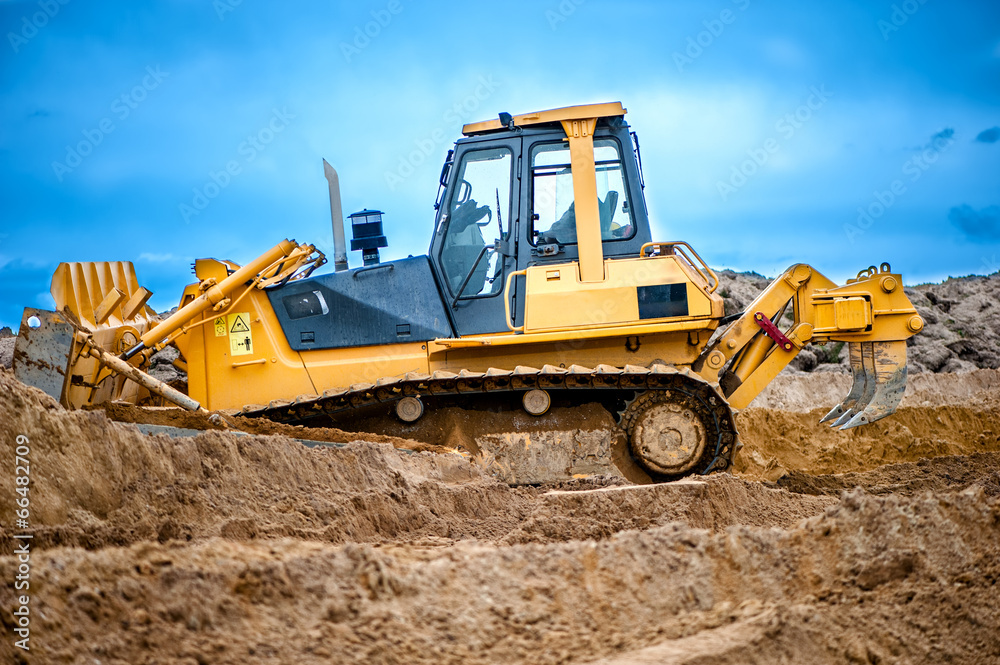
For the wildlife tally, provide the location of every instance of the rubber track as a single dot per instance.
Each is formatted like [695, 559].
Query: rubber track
[630, 379]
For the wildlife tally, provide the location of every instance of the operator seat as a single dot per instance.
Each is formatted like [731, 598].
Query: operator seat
[564, 230]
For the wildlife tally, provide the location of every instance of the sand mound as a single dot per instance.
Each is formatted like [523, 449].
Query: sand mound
[777, 442]
[177, 417]
[96, 483]
[941, 474]
[870, 580]
[806, 392]
[713, 503]
[221, 548]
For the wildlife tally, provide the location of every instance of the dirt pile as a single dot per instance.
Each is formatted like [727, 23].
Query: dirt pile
[161, 367]
[776, 442]
[96, 483]
[7, 343]
[177, 417]
[939, 474]
[222, 548]
[805, 392]
[872, 579]
[714, 503]
[962, 318]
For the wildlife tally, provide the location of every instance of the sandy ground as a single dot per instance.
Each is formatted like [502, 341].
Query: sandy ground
[879, 545]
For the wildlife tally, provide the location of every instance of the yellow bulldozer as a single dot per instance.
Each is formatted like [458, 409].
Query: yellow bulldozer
[542, 284]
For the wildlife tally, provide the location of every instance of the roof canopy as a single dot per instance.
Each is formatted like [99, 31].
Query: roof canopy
[587, 111]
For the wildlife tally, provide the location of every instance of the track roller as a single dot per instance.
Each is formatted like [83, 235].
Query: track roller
[536, 402]
[409, 409]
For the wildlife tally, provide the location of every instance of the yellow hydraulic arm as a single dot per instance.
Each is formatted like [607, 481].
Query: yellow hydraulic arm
[871, 313]
[282, 262]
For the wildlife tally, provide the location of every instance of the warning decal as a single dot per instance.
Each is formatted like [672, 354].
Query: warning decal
[240, 337]
[220, 327]
[238, 323]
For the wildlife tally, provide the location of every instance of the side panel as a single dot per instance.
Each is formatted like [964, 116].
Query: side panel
[678, 349]
[221, 380]
[392, 303]
[635, 290]
[272, 370]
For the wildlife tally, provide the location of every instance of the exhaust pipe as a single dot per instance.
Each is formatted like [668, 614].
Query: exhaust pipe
[337, 216]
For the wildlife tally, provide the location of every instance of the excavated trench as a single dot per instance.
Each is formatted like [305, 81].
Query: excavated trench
[876, 545]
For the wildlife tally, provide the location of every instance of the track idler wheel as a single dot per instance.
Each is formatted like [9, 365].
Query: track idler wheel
[409, 409]
[682, 431]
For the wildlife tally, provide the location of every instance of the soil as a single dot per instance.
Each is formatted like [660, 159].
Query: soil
[938, 474]
[177, 417]
[777, 442]
[877, 545]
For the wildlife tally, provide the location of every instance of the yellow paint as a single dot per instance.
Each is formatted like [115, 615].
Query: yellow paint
[573, 348]
[607, 110]
[580, 134]
[92, 292]
[571, 303]
[689, 258]
[864, 310]
[216, 383]
[852, 314]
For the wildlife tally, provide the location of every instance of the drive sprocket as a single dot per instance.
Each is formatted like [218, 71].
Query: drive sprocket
[681, 430]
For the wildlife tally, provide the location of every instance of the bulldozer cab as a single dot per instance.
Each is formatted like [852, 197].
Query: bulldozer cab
[509, 200]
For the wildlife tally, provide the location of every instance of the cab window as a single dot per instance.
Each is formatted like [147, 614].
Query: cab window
[552, 206]
[478, 216]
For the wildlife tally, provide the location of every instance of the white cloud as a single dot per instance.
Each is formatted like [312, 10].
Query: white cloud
[156, 258]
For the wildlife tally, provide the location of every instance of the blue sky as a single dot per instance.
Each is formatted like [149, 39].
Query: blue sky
[764, 127]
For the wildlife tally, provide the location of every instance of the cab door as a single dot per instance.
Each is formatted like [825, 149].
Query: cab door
[548, 206]
[474, 247]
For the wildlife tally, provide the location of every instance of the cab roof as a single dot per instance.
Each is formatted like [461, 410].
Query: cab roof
[584, 112]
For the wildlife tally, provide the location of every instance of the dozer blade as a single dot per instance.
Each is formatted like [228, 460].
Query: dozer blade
[889, 383]
[857, 388]
[42, 352]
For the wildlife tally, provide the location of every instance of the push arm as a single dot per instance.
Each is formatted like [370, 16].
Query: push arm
[871, 313]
